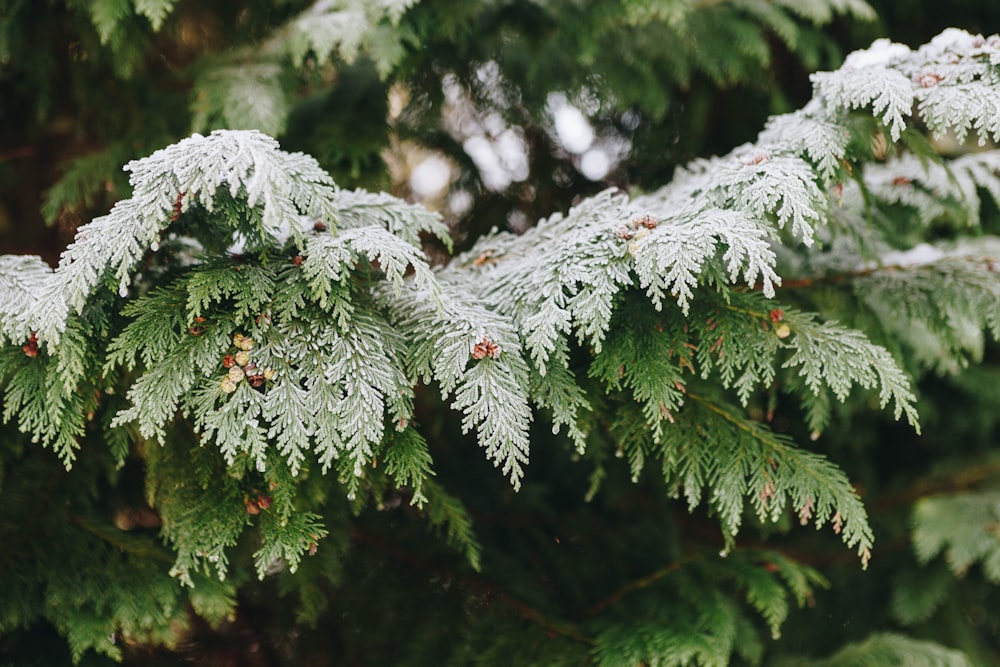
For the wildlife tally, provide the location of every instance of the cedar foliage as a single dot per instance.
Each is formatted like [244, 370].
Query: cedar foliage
[247, 401]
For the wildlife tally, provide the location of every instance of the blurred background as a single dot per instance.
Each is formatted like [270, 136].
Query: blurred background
[494, 112]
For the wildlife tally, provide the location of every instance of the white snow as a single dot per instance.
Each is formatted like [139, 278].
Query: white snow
[923, 253]
[954, 38]
[879, 54]
[430, 178]
[502, 161]
[595, 164]
[573, 129]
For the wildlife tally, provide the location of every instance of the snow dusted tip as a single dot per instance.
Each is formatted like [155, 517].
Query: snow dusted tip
[880, 54]
[918, 255]
[955, 39]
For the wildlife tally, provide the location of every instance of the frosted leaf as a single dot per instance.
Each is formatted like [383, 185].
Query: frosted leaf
[888, 92]
[969, 106]
[755, 179]
[671, 259]
[806, 132]
[404, 220]
[23, 280]
[932, 188]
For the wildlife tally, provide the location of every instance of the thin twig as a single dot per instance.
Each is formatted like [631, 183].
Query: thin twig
[551, 625]
[634, 585]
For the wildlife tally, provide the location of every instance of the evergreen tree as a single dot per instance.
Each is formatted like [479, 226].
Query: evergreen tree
[259, 408]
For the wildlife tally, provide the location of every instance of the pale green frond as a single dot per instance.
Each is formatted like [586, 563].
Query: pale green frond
[475, 355]
[938, 300]
[886, 649]
[155, 10]
[822, 11]
[737, 461]
[840, 358]
[242, 96]
[962, 527]
[107, 14]
[918, 593]
[342, 29]
[286, 541]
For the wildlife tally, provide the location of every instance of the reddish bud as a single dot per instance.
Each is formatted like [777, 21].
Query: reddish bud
[485, 258]
[178, 204]
[757, 158]
[319, 226]
[485, 348]
[647, 221]
[264, 501]
[228, 361]
[928, 79]
[777, 315]
[252, 506]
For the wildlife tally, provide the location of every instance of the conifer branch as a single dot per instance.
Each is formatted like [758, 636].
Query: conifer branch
[770, 471]
[287, 322]
[635, 584]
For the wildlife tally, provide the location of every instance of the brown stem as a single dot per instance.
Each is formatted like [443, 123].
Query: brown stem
[550, 625]
[634, 585]
[959, 480]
